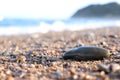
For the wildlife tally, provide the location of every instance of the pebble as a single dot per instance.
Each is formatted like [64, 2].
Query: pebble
[109, 68]
[90, 36]
[57, 73]
[103, 43]
[104, 68]
[113, 36]
[117, 56]
[75, 77]
[21, 58]
[114, 67]
[8, 77]
[54, 59]
[87, 53]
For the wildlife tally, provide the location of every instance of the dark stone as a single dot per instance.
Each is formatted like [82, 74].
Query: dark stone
[87, 53]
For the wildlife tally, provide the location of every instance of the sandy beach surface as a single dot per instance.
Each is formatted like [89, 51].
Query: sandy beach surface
[39, 56]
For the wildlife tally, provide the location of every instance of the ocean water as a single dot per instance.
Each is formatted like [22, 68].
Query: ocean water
[59, 25]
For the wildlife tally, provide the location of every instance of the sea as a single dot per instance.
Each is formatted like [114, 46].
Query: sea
[44, 26]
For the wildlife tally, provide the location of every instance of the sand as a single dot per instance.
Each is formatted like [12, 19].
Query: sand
[38, 56]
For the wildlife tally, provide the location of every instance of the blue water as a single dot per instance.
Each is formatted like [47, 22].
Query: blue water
[18, 26]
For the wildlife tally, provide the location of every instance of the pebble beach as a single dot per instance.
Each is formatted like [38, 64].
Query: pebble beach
[39, 56]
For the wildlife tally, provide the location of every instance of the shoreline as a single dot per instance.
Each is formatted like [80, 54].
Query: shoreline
[38, 56]
[10, 32]
[61, 26]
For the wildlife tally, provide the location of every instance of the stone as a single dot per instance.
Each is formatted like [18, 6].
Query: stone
[87, 53]
[90, 36]
[114, 67]
[113, 36]
[104, 68]
[103, 43]
[57, 73]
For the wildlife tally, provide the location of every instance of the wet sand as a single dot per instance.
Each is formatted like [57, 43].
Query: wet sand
[39, 56]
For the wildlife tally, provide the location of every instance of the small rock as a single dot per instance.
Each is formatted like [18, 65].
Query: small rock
[5, 52]
[75, 77]
[118, 51]
[117, 56]
[104, 43]
[21, 58]
[32, 66]
[89, 77]
[34, 35]
[113, 36]
[12, 55]
[114, 67]
[110, 68]
[104, 68]
[113, 76]
[90, 36]
[54, 59]
[87, 53]
[9, 77]
[106, 61]
[57, 73]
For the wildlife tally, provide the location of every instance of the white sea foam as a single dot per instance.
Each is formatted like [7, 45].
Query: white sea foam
[56, 26]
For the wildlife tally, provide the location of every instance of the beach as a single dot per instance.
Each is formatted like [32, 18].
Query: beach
[39, 56]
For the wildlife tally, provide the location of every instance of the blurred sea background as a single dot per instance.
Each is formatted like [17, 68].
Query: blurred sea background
[19, 19]
[56, 25]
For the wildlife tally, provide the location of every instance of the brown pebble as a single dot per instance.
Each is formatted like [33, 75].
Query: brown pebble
[21, 58]
[9, 77]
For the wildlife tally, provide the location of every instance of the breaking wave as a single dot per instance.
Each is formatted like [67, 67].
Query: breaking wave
[44, 27]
